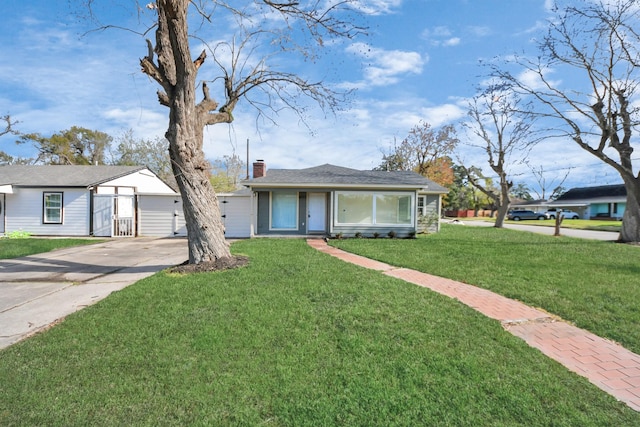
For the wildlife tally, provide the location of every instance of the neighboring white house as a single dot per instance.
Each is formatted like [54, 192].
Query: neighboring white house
[61, 200]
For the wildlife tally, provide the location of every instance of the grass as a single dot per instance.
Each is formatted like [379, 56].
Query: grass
[595, 285]
[14, 248]
[297, 338]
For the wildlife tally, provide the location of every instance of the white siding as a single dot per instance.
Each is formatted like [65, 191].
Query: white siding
[143, 181]
[236, 215]
[24, 212]
[161, 216]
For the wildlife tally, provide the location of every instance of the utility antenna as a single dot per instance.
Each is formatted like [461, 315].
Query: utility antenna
[247, 158]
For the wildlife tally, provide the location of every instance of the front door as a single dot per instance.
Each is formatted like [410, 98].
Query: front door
[317, 215]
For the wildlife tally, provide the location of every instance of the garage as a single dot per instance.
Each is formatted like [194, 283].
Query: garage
[161, 215]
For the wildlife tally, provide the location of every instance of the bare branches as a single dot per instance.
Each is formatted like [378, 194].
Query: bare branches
[8, 125]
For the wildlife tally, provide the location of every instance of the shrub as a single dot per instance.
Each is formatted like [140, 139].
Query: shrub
[18, 234]
[391, 234]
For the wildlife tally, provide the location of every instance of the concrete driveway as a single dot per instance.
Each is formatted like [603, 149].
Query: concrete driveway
[38, 290]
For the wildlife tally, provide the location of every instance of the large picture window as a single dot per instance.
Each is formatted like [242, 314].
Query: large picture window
[284, 210]
[355, 208]
[52, 208]
[368, 208]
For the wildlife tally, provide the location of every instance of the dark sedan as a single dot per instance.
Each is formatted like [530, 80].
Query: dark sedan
[522, 215]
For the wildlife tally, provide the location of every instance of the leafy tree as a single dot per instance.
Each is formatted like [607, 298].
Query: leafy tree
[264, 29]
[460, 195]
[425, 151]
[75, 146]
[586, 82]
[503, 127]
[226, 173]
[153, 153]
[521, 191]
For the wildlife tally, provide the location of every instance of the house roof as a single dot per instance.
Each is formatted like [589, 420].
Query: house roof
[337, 176]
[62, 175]
[599, 192]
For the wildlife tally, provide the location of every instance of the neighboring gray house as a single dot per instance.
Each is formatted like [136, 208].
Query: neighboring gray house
[105, 201]
[332, 200]
[601, 202]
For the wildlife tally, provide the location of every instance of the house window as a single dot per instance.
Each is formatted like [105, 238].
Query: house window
[355, 208]
[364, 208]
[421, 203]
[284, 211]
[52, 208]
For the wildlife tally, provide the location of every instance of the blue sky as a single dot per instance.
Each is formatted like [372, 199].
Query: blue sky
[419, 62]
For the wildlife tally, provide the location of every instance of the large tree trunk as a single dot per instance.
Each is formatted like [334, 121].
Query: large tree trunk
[505, 202]
[630, 230]
[177, 73]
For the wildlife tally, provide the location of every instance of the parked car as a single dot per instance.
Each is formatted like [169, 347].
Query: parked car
[524, 214]
[552, 213]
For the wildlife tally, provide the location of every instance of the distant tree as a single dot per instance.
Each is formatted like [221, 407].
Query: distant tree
[521, 191]
[425, 151]
[501, 127]
[557, 192]
[153, 153]
[545, 180]
[8, 124]
[226, 173]
[8, 127]
[74, 146]
[460, 195]
[586, 83]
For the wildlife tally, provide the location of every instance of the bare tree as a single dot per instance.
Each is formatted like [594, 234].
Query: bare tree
[8, 125]
[546, 182]
[265, 28]
[595, 47]
[503, 128]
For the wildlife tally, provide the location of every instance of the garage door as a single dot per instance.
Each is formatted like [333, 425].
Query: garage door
[161, 216]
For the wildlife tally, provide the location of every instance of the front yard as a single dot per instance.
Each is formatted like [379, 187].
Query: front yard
[595, 285]
[298, 338]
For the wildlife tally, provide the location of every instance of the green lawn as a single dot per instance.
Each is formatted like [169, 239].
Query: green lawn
[297, 338]
[594, 284]
[14, 248]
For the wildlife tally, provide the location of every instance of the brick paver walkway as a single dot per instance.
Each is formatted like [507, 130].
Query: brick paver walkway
[604, 363]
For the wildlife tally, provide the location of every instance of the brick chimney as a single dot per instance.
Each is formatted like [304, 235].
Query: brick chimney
[259, 169]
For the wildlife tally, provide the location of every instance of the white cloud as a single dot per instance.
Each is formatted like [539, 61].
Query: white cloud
[441, 36]
[454, 41]
[387, 66]
[376, 7]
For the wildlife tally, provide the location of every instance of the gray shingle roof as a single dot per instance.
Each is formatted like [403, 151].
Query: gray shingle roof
[594, 192]
[330, 175]
[61, 175]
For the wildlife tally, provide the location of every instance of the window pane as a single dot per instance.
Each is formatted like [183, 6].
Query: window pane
[53, 208]
[355, 208]
[284, 209]
[391, 209]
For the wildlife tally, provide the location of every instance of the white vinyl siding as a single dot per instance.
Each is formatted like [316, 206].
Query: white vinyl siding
[143, 182]
[236, 215]
[160, 216]
[24, 212]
